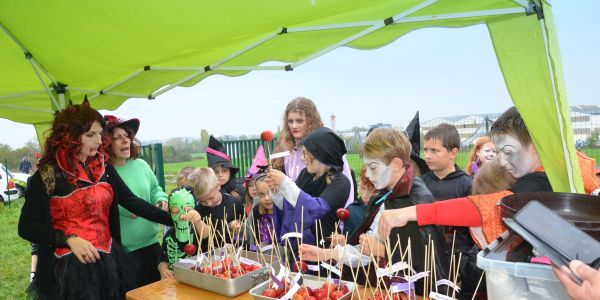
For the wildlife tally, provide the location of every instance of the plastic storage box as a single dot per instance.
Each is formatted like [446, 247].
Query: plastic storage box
[516, 280]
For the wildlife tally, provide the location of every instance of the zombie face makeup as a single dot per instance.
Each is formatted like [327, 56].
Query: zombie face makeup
[179, 203]
[378, 172]
[487, 152]
[516, 158]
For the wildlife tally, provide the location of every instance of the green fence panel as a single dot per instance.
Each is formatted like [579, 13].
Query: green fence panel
[153, 155]
[242, 152]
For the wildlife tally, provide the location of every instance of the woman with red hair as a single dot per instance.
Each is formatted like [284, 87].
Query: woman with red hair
[71, 211]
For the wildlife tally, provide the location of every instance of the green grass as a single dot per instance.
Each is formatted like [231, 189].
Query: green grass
[171, 170]
[15, 254]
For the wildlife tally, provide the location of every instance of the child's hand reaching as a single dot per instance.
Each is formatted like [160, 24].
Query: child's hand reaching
[193, 217]
[235, 226]
[275, 179]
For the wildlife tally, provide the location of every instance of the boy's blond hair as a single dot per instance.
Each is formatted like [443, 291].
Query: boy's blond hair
[182, 176]
[387, 144]
[202, 180]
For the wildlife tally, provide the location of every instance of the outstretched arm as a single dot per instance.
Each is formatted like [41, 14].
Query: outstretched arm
[454, 212]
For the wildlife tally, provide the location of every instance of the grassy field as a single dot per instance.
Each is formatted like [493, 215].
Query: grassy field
[172, 169]
[15, 254]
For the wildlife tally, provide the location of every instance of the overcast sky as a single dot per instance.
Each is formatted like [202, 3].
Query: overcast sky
[440, 72]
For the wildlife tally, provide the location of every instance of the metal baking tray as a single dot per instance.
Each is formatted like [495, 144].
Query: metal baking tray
[310, 281]
[225, 287]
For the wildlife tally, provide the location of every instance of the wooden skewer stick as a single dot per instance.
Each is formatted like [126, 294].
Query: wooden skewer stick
[368, 269]
[451, 266]
[433, 264]
[456, 277]
[478, 283]
[355, 275]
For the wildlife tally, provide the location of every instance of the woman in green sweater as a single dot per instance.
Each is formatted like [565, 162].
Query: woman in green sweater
[138, 235]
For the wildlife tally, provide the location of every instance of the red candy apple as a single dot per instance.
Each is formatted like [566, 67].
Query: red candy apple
[300, 266]
[266, 136]
[189, 249]
[342, 214]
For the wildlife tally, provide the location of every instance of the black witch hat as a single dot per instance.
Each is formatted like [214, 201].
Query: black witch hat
[413, 130]
[216, 155]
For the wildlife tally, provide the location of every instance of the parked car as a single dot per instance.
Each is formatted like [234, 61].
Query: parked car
[12, 185]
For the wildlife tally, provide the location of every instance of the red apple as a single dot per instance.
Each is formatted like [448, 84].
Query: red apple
[300, 266]
[342, 214]
[189, 249]
[271, 293]
[335, 295]
[320, 294]
[266, 136]
[329, 287]
[344, 288]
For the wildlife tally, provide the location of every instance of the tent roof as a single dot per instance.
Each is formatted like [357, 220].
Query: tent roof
[114, 50]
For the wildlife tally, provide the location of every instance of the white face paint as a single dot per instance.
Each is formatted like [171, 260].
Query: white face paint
[517, 159]
[378, 172]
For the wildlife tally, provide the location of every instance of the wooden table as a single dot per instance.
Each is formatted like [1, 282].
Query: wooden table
[169, 289]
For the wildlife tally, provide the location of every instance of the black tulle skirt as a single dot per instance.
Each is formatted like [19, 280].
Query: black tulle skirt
[109, 278]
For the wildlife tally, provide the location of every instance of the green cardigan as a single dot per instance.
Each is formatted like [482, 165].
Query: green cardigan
[138, 232]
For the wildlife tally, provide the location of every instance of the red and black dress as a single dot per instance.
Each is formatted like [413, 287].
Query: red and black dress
[56, 208]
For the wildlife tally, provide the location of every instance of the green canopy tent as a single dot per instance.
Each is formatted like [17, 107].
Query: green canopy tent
[115, 50]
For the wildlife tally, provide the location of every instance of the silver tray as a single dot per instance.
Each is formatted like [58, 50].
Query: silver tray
[225, 287]
[310, 281]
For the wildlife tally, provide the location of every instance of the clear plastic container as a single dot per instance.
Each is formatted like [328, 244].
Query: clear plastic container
[516, 280]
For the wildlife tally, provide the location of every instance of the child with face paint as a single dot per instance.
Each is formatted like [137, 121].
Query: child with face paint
[517, 154]
[182, 233]
[386, 154]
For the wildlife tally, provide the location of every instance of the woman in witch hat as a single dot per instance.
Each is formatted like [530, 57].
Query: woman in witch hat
[139, 236]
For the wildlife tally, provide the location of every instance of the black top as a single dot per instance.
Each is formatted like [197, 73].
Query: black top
[230, 207]
[532, 182]
[455, 185]
[335, 194]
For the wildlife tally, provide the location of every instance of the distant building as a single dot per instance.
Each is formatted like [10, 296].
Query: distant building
[584, 120]
[332, 122]
[470, 127]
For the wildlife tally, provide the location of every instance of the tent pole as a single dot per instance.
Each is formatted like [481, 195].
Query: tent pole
[557, 106]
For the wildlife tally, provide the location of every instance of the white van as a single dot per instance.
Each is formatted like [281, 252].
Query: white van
[12, 185]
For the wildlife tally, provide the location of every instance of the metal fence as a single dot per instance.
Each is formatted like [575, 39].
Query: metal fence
[153, 155]
[242, 152]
